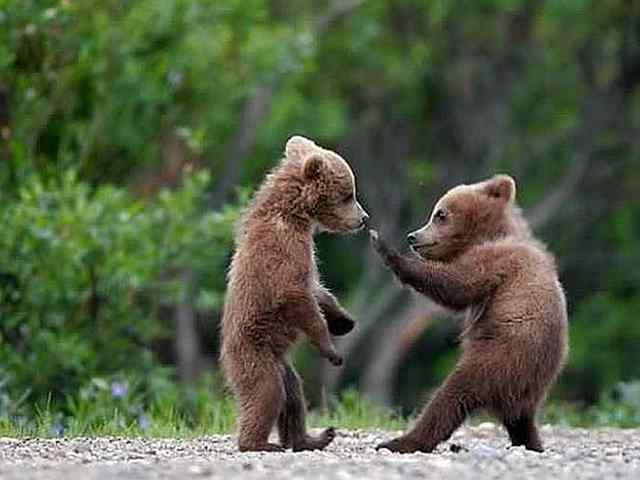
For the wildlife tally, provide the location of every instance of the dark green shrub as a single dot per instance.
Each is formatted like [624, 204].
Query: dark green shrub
[84, 273]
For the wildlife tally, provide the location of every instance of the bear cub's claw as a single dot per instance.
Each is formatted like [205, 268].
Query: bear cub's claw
[401, 445]
[316, 443]
[377, 243]
[335, 359]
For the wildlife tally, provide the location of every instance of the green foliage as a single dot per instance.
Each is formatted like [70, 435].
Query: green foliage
[85, 272]
[137, 70]
[618, 407]
[97, 90]
[603, 346]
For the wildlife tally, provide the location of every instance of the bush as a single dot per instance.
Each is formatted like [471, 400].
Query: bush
[84, 274]
[603, 346]
[618, 407]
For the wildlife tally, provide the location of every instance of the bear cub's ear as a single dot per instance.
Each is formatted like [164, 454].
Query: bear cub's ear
[313, 167]
[501, 187]
[298, 148]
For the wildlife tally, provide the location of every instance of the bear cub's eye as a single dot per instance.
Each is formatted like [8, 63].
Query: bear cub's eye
[440, 216]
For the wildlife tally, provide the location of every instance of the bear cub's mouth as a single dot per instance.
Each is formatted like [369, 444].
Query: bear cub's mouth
[424, 245]
[360, 227]
[363, 223]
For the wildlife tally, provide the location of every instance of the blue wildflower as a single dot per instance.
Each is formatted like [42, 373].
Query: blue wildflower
[144, 422]
[57, 429]
[119, 389]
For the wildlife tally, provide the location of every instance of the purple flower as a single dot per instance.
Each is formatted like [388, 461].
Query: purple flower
[119, 389]
[57, 429]
[144, 422]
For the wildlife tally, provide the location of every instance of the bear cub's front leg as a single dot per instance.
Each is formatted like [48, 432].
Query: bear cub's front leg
[408, 270]
[304, 311]
[338, 319]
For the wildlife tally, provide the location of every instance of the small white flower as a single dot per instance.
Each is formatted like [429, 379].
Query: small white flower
[50, 13]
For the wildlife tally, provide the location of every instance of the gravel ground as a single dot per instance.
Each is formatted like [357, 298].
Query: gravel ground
[472, 453]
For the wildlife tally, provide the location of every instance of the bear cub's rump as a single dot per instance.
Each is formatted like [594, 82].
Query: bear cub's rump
[274, 293]
[477, 254]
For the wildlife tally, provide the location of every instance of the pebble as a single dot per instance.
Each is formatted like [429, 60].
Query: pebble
[486, 426]
[481, 452]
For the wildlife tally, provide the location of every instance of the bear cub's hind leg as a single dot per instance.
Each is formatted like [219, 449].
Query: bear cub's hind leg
[446, 411]
[291, 422]
[523, 431]
[260, 400]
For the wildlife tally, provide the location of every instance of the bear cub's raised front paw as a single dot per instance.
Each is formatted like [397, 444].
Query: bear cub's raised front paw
[378, 243]
[339, 326]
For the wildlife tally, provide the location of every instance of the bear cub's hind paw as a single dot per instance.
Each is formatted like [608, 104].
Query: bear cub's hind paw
[402, 445]
[316, 443]
[267, 447]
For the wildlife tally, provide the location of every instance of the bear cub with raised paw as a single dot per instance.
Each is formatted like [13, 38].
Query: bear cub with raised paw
[477, 254]
[274, 293]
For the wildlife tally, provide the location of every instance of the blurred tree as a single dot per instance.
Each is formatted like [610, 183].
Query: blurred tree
[418, 95]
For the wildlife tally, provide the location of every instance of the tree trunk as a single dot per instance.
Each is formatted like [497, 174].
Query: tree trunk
[187, 342]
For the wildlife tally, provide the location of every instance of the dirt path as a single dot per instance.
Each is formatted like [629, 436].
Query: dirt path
[570, 454]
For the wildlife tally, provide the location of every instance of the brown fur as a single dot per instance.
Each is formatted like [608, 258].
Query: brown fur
[477, 254]
[274, 293]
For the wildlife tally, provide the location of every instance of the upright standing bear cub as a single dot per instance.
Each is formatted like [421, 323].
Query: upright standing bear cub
[477, 254]
[274, 293]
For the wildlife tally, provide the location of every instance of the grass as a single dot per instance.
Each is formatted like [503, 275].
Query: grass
[158, 424]
[175, 415]
[164, 420]
[353, 412]
[608, 414]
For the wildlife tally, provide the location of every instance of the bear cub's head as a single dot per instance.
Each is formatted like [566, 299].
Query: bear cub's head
[328, 187]
[467, 215]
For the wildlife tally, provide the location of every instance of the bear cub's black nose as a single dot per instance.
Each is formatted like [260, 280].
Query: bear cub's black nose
[411, 238]
[365, 219]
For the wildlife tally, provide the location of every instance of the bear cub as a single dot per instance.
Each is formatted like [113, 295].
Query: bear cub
[274, 293]
[477, 254]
